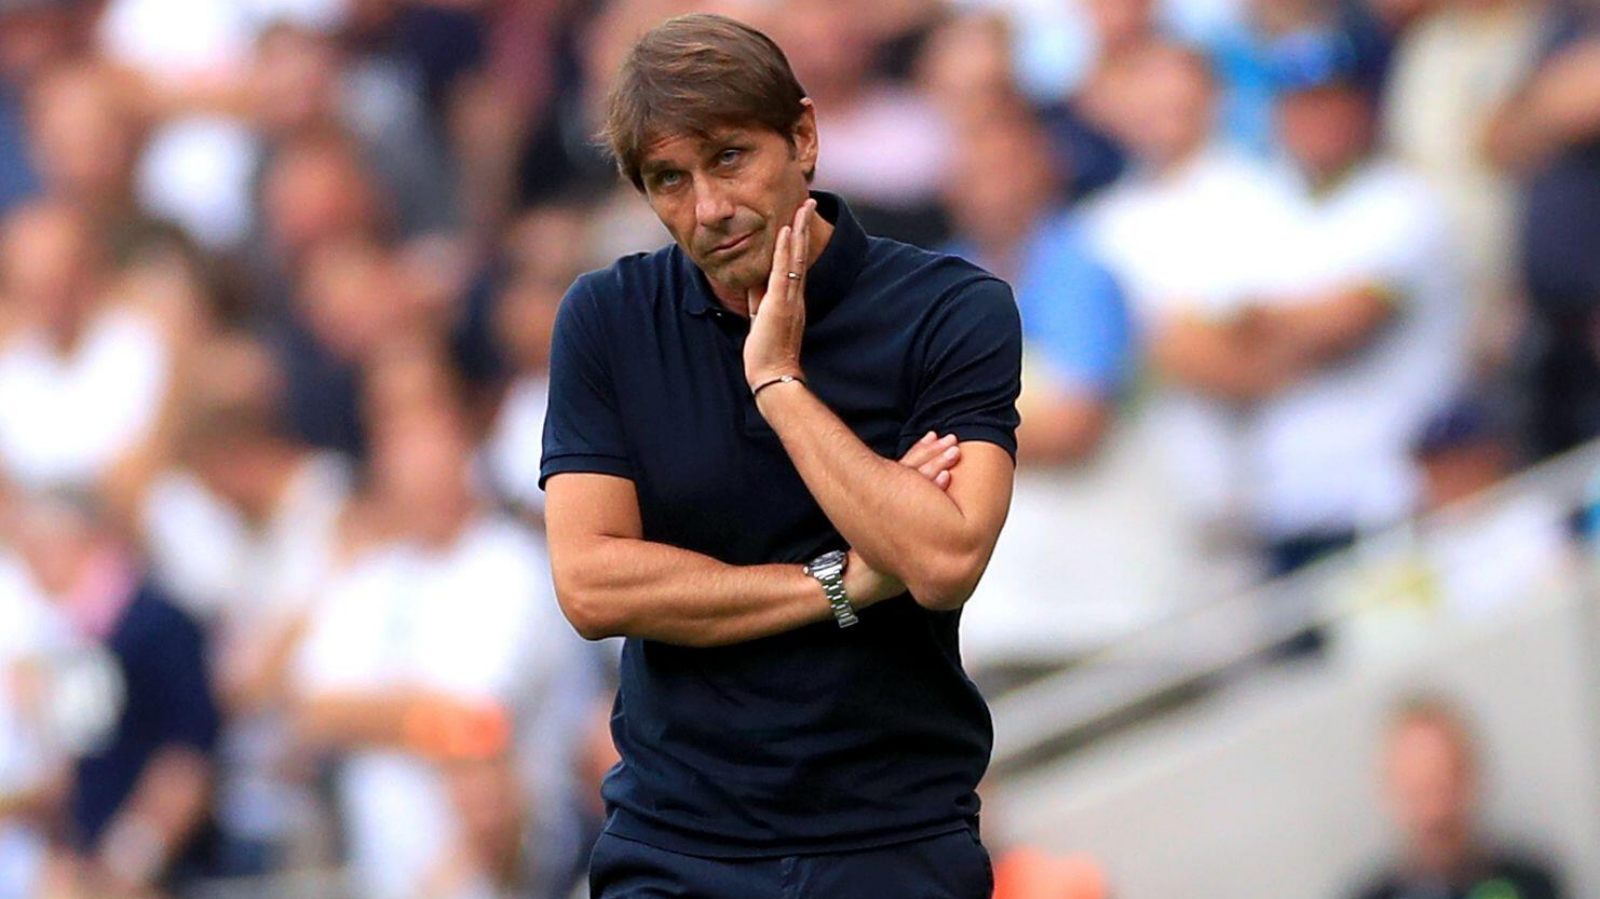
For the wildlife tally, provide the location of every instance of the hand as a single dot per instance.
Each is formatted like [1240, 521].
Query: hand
[933, 457]
[778, 314]
[864, 586]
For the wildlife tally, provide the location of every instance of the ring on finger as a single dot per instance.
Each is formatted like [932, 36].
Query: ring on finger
[794, 276]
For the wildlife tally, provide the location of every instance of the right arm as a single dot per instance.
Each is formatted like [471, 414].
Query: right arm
[612, 582]
[1558, 107]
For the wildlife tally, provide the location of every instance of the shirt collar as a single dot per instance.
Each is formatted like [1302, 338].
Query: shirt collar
[830, 278]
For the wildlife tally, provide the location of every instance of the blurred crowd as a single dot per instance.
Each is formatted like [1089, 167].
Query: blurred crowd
[277, 282]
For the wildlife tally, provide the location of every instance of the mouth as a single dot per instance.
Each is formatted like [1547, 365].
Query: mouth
[732, 246]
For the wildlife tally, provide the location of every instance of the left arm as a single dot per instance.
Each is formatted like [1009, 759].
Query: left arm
[935, 541]
[1329, 327]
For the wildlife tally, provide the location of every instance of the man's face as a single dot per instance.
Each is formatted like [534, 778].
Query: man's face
[1003, 180]
[1431, 790]
[724, 197]
[1167, 106]
[1325, 129]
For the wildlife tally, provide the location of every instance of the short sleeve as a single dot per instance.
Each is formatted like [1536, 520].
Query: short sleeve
[1078, 317]
[969, 355]
[188, 707]
[582, 429]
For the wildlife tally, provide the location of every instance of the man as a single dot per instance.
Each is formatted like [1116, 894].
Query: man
[1432, 781]
[1547, 136]
[1192, 234]
[1085, 510]
[1370, 319]
[793, 718]
[139, 800]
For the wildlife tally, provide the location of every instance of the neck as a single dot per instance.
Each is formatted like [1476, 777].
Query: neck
[278, 469]
[1444, 861]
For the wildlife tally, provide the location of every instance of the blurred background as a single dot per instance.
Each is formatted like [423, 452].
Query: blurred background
[1296, 597]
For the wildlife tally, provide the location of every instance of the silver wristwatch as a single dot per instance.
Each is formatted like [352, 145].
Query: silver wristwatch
[828, 569]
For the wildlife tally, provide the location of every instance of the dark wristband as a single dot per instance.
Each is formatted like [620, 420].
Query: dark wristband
[782, 379]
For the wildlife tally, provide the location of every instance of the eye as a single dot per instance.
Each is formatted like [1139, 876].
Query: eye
[729, 156]
[668, 179]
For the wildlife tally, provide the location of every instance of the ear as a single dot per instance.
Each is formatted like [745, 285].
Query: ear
[804, 136]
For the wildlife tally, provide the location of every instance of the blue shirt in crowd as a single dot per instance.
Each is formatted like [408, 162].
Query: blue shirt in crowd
[1073, 311]
[821, 739]
[168, 703]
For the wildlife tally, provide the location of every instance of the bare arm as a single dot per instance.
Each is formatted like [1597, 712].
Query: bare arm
[165, 808]
[937, 542]
[1218, 359]
[1560, 106]
[610, 581]
[1323, 330]
[1061, 426]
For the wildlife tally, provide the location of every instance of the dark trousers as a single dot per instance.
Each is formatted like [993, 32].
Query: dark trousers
[951, 866]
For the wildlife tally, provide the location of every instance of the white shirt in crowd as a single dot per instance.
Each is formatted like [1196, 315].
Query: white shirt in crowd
[253, 584]
[66, 420]
[1332, 452]
[1199, 241]
[60, 696]
[476, 621]
[516, 444]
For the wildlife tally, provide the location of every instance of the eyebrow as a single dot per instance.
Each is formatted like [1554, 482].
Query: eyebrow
[709, 143]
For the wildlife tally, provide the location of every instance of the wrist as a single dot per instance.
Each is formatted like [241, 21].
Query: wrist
[755, 380]
[133, 851]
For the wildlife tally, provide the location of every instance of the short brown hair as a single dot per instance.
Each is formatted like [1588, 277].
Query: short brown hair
[691, 75]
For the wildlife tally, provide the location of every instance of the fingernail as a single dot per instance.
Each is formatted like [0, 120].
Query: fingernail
[928, 436]
[948, 438]
[952, 452]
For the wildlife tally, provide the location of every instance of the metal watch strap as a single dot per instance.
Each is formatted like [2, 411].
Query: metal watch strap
[828, 569]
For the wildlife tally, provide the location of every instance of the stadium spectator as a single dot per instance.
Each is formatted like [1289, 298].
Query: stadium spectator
[1452, 72]
[190, 66]
[139, 800]
[547, 252]
[1371, 326]
[1548, 135]
[82, 137]
[246, 533]
[302, 83]
[887, 147]
[1431, 778]
[423, 700]
[34, 36]
[1083, 509]
[348, 304]
[85, 375]
[1192, 235]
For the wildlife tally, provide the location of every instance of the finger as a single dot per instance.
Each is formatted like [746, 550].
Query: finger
[778, 277]
[922, 450]
[942, 462]
[799, 248]
[942, 480]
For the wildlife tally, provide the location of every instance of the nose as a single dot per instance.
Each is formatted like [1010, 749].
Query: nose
[712, 206]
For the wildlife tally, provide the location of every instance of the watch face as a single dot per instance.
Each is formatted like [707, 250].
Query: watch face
[828, 564]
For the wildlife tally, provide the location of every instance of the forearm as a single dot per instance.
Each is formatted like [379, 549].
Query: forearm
[1213, 360]
[621, 586]
[1060, 427]
[355, 720]
[1321, 331]
[164, 809]
[898, 521]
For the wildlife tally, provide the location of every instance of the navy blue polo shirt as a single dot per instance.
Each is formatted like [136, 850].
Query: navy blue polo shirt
[820, 739]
